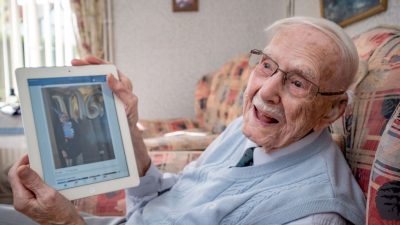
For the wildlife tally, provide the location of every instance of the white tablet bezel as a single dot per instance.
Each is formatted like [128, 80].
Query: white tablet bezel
[22, 75]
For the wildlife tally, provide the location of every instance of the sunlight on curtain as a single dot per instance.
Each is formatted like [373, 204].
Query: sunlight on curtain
[33, 33]
[93, 27]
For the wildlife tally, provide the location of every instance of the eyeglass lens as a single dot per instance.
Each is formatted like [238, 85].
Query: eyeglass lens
[295, 84]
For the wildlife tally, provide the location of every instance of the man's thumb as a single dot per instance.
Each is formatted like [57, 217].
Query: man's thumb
[31, 180]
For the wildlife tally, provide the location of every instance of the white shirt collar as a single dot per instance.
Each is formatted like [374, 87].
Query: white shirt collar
[260, 156]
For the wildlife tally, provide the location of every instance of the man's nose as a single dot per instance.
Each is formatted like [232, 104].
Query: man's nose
[271, 88]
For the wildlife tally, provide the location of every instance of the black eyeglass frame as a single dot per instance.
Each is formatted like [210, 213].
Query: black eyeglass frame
[261, 53]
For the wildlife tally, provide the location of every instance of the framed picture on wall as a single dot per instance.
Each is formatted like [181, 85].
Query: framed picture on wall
[345, 12]
[185, 5]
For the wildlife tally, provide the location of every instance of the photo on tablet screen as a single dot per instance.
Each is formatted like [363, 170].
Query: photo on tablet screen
[77, 130]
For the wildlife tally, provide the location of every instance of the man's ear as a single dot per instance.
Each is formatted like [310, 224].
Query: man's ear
[337, 109]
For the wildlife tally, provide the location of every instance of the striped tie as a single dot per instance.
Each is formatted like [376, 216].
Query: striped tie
[247, 158]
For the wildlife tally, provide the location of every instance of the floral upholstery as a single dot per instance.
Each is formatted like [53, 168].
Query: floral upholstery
[155, 128]
[371, 126]
[108, 204]
[180, 141]
[219, 97]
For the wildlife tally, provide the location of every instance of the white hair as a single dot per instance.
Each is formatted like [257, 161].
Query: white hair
[347, 49]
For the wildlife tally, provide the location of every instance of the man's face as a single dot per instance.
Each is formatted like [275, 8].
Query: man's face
[64, 118]
[273, 118]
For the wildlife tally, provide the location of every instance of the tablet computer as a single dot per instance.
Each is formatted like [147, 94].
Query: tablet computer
[76, 130]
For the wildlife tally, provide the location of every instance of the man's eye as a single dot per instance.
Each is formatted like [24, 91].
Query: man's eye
[267, 65]
[298, 84]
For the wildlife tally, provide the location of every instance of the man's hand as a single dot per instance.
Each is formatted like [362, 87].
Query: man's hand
[122, 87]
[37, 200]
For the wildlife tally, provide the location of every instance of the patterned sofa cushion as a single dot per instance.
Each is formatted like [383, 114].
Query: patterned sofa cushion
[371, 136]
[372, 39]
[108, 204]
[375, 99]
[201, 94]
[384, 188]
[180, 141]
[219, 95]
[156, 128]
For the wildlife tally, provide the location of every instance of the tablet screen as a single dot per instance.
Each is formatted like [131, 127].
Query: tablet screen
[77, 130]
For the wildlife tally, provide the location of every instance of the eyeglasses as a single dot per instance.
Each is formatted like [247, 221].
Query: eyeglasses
[296, 84]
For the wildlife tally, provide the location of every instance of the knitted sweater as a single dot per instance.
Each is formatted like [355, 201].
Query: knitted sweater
[315, 179]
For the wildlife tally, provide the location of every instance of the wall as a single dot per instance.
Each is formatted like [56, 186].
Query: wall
[165, 53]
[391, 16]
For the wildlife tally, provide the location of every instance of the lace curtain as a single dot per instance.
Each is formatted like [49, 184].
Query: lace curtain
[93, 27]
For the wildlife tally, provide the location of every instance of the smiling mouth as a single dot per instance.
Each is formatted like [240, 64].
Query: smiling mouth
[263, 118]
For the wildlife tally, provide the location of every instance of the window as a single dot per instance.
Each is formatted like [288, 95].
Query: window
[34, 33]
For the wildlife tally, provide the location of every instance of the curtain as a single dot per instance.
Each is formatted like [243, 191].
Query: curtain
[92, 28]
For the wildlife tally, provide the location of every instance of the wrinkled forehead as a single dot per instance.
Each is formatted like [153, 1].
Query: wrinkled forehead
[307, 48]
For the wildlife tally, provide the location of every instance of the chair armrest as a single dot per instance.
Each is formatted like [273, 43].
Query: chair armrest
[156, 128]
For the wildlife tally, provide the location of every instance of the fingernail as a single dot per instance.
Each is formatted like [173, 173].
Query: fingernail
[24, 172]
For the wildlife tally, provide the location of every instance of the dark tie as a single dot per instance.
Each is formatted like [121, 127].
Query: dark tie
[247, 158]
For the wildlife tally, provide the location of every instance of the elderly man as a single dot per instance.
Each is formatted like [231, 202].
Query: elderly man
[275, 165]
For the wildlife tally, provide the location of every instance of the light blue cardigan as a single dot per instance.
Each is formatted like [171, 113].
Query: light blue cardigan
[315, 179]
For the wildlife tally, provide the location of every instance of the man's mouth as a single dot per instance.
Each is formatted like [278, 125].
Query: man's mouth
[264, 118]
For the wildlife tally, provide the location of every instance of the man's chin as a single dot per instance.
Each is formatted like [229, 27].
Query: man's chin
[260, 138]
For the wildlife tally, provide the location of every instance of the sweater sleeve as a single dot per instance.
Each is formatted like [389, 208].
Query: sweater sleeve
[152, 184]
